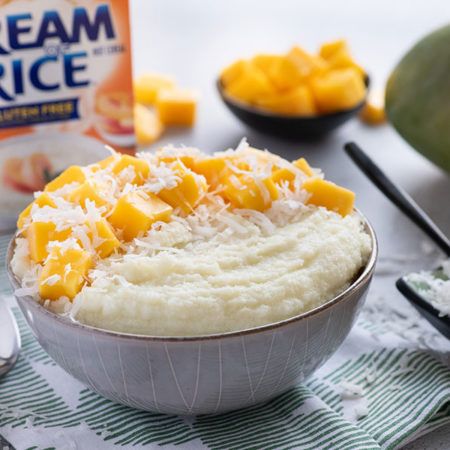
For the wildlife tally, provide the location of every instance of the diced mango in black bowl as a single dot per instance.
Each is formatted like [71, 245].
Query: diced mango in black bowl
[296, 93]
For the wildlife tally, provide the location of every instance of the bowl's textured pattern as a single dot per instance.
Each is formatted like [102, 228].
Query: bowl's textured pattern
[195, 376]
[210, 374]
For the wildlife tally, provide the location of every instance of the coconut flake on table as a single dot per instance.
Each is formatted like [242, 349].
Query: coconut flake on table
[350, 390]
[427, 247]
[437, 291]
[354, 402]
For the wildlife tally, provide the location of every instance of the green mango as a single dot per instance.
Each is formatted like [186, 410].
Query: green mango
[418, 97]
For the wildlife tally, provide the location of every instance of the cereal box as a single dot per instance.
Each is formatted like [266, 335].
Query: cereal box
[65, 91]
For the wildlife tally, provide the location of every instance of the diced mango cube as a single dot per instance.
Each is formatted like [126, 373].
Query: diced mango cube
[342, 60]
[283, 175]
[23, 216]
[329, 195]
[187, 193]
[373, 112]
[263, 156]
[212, 169]
[43, 200]
[64, 273]
[71, 175]
[243, 191]
[250, 86]
[147, 86]
[147, 126]
[104, 163]
[338, 90]
[177, 107]
[266, 61]
[298, 101]
[141, 168]
[284, 74]
[303, 165]
[39, 234]
[308, 65]
[86, 191]
[328, 49]
[103, 238]
[134, 214]
[187, 160]
[232, 72]
[337, 55]
[239, 163]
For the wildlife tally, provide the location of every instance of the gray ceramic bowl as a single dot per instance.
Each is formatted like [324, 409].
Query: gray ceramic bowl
[199, 375]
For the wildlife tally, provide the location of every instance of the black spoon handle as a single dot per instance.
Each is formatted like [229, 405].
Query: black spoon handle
[397, 196]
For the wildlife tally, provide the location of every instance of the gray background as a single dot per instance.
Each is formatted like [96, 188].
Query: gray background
[194, 39]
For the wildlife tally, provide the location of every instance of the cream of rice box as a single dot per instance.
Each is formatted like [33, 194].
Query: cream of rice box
[65, 91]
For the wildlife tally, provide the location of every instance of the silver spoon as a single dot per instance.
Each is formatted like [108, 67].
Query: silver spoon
[9, 339]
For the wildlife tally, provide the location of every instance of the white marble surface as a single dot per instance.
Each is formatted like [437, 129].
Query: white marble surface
[194, 39]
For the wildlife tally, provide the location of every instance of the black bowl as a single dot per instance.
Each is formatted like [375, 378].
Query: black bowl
[288, 126]
[440, 322]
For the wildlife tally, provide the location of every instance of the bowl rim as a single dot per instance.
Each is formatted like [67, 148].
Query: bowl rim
[286, 117]
[364, 275]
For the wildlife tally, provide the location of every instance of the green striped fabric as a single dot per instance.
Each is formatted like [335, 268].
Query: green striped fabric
[405, 392]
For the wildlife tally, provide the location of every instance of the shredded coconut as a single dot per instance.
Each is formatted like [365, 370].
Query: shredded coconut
[350, 390]
[434, 287]
[212, 221]
[51, 280]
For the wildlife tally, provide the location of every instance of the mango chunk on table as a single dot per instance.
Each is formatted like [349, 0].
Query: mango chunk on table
[147, 126]
[187, 193]
[64, 273]
[134, 214]
[373, 112]
[338, 90]
[43, 200]
[329, 195]
[39, 234]
[177, 107]
[140, 167]
[73, 174]
[147, 87]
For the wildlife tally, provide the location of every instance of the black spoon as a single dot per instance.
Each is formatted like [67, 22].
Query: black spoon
[412, 210]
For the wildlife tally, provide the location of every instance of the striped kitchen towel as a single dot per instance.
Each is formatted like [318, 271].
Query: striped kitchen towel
[388, 384]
